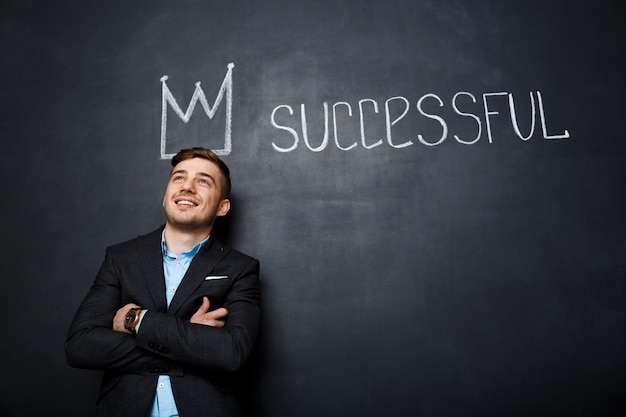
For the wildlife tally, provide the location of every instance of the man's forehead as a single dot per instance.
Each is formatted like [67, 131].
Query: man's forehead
[195, 164]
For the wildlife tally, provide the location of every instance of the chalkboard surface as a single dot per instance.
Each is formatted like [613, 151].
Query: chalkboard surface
[435, 190]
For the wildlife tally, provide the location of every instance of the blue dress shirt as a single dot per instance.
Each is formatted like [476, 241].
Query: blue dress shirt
[174, 268]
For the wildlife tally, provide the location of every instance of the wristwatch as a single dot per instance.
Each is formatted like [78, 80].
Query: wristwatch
[131, 319]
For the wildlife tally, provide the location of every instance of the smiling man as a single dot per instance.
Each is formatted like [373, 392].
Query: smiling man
[196, 194]
[172, 315]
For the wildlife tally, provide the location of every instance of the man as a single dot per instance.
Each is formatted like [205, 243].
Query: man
[172, 315]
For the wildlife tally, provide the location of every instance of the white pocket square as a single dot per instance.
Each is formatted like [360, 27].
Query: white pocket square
[210, 277]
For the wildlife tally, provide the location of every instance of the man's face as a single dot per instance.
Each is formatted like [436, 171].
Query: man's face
[193, 195]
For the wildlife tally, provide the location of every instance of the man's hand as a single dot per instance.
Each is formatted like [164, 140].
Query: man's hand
[118, 320]
[215, 318]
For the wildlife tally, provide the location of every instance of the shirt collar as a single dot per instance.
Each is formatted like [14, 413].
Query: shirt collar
[191, 253]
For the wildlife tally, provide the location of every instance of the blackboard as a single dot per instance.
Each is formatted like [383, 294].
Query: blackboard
[435, 191]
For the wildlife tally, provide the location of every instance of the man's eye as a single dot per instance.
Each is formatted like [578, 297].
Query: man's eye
[178, 178]
[203, 182]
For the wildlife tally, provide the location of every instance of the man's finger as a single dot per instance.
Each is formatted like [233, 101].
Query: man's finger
[204, 308]
[219, 314]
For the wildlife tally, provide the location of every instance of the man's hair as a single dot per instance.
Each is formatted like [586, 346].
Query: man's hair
[207, 154]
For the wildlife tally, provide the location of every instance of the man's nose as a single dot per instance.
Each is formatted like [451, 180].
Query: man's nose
[188, 185]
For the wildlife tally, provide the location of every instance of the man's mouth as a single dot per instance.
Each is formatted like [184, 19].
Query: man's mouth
[186, 203]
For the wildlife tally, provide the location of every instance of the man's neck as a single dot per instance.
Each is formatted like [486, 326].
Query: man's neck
[179, 241]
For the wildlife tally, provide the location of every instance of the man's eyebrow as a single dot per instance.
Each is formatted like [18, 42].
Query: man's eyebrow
[200, 174]
[178, 171]
[204, 174]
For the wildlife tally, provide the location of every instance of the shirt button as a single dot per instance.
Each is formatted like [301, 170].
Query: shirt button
[161, 385]
[173, 289]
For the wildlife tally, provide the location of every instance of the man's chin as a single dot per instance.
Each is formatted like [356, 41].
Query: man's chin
[188, 225]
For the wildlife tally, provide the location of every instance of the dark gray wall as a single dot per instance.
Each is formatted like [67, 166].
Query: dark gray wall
[469, 273]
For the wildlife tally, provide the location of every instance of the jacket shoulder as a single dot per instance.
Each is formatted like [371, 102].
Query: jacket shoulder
[149, 239]
[232, 253]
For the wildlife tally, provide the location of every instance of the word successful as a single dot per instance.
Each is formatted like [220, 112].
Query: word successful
[395, 110]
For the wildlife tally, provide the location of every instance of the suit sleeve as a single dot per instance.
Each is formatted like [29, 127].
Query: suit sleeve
[91, 342]
[227, 348]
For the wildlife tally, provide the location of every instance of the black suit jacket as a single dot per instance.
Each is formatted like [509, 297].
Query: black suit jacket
[201, 360]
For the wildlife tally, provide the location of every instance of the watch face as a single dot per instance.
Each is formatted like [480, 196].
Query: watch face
[130, 317]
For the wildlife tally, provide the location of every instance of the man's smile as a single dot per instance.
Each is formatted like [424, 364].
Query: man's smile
[185, 201]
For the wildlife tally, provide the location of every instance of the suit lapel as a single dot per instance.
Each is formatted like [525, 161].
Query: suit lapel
[201, 266]
[151, 258]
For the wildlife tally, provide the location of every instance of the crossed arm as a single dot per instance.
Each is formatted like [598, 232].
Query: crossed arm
[98, 340]
[215, 318]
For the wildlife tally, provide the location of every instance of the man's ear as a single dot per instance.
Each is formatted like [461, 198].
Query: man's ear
[223, 208]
